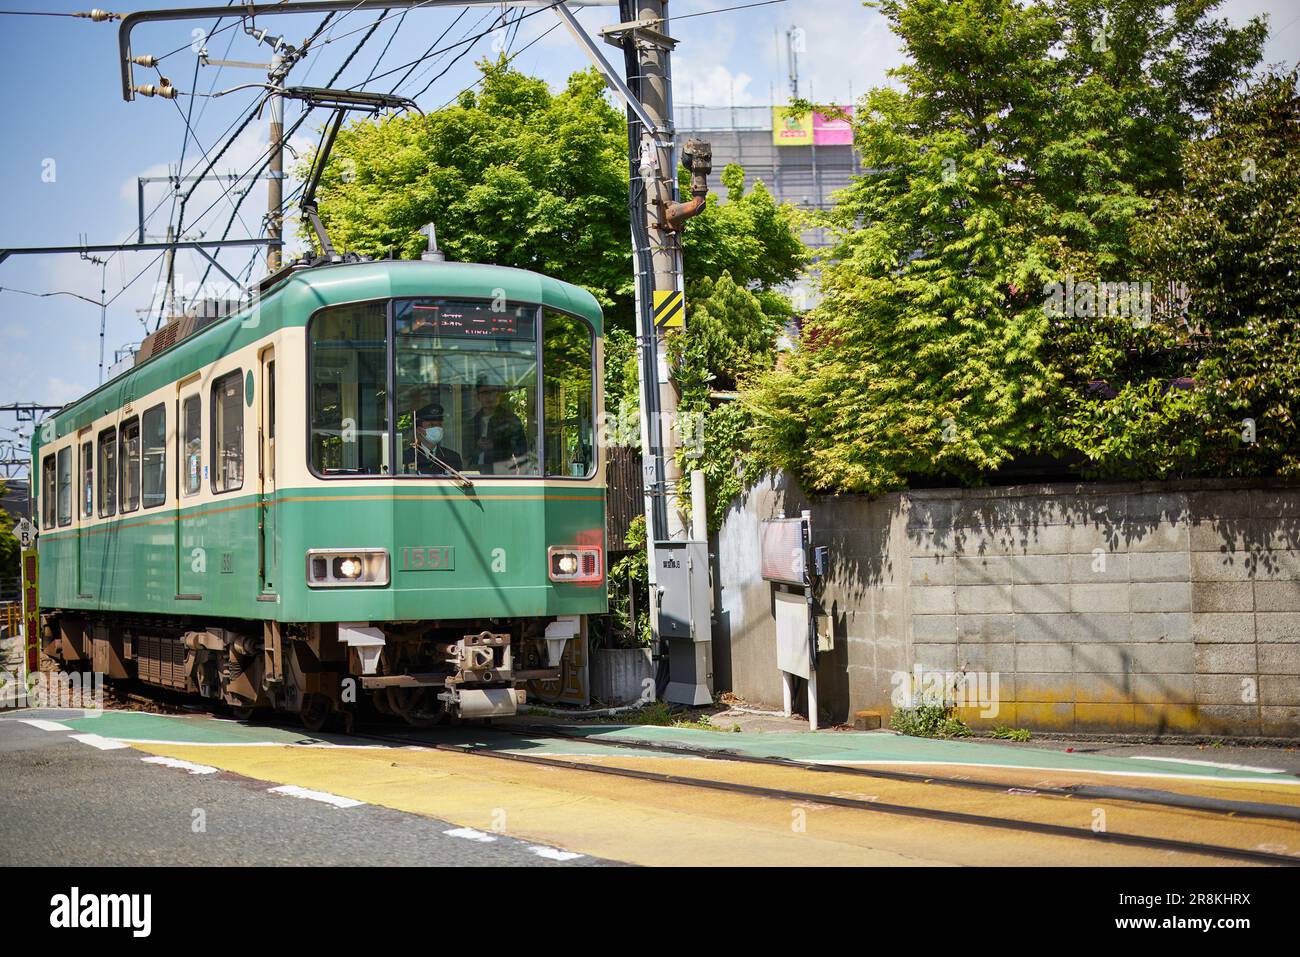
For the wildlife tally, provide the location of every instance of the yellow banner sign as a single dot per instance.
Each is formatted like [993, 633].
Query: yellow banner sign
[790, 130]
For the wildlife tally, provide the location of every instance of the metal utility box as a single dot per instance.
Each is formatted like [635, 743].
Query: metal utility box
[783, 545]
[682, 578]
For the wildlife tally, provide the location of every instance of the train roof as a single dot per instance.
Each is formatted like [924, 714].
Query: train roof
[291, 300]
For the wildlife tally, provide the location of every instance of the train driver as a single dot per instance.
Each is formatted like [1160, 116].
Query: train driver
[427, 455]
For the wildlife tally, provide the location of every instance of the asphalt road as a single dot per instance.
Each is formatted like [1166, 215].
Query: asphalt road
[63, 802]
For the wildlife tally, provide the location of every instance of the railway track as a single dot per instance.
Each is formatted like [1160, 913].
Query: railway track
[877, 807]
[1227, 808]
[1103, 793]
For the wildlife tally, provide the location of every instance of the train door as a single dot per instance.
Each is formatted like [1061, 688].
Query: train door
[268, 550]
[85, 511]
[190, 560]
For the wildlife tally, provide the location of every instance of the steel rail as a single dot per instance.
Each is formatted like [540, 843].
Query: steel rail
[1229, 808]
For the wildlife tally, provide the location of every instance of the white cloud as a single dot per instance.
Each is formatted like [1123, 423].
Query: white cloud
[713, 86]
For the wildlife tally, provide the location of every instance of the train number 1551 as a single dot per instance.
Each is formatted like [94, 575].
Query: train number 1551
[428, 558]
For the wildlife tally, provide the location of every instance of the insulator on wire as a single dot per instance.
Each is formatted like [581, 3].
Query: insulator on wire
[99, 16]
[145, 60]
[165, 90]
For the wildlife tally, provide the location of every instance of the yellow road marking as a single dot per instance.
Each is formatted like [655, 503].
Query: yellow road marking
[662, 824]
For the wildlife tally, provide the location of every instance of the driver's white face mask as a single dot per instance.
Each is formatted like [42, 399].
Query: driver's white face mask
[433, 434]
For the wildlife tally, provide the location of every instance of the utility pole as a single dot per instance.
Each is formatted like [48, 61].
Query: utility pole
[793, 43]
[665, 247]
[165, 308]
[275, 187]
[679, 612]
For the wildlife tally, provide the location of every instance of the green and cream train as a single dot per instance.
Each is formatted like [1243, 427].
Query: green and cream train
[380, 478]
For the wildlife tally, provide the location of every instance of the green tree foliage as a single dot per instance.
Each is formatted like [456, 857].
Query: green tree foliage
[737, 254]
[9, 550]
[1227, 247]
[511, 174]
[1024, 145]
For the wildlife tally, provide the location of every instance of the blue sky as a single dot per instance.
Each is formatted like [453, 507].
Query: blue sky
[65, 114]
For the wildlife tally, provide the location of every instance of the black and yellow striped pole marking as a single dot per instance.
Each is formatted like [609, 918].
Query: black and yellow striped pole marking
[670, 309]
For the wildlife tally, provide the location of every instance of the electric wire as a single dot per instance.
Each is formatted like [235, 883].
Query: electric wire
[428, 51]
[266, 156]
[454, 60]
[520, 52]
[743, 6]
[458, 43]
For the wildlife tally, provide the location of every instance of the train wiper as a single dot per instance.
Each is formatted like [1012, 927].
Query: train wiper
[460, 477]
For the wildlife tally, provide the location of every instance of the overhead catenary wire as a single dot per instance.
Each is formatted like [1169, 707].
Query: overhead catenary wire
[454, 60]
[265, 159]
[427, 52]
[459, 43]
[46, 295]
[212, 161]
[370, 31]
[384, 52]
[510, 59]
[708, 13]
[47, 13]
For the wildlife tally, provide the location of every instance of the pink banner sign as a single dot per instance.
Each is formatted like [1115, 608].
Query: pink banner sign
[833, 131]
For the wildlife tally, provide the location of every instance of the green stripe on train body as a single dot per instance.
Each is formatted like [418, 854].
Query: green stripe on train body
[498, 538]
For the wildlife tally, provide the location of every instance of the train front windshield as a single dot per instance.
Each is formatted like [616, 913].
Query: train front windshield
[465, 392]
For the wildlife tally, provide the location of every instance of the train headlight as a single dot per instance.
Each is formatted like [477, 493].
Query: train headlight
[340, 567]
[574, 564]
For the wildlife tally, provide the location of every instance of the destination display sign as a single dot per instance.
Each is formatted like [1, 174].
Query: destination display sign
[468, 320]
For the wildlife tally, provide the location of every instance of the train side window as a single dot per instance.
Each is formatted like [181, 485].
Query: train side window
[153, 457]
[569, 396]
[87, 479]
[65, 486]
[348, 390]
[228, 432]
[107, 473]
[192, 451]
[128, 461]
[48, 491]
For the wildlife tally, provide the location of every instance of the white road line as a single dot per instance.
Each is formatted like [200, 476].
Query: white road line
[1062, 769]
[293, 790]
[95, 741]
[469, 834]
[172, 742]
[1210, 764]
[44, 725]
[554, 853]
[182, 765]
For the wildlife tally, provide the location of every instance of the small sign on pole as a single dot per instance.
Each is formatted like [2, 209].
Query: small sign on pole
[31, 615]
[670, 309]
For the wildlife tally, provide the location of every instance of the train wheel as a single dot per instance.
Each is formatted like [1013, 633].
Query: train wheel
[243, 713]
[418, 707]
[316, 711]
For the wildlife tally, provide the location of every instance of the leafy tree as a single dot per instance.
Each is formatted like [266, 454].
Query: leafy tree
[511, 174]
[1026, 143]
[1228, 244]
[9, 550]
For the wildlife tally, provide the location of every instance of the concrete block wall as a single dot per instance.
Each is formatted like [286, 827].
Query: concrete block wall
[1123, 608]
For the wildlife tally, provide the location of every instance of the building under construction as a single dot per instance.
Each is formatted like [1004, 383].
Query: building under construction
[803, 161]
